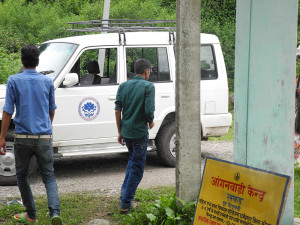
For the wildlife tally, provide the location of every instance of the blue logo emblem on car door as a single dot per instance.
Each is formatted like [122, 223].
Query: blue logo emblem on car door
[89, 108]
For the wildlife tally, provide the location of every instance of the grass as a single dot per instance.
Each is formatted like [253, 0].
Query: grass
[297, 193]
[76, 208]
[80, 208]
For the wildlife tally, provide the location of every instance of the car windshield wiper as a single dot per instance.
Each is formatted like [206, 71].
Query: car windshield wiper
[46, 72]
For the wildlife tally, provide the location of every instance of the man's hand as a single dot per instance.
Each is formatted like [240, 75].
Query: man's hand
[2, 146]
[120, 139]
[6, 118]
[151, 125]
[118, 121]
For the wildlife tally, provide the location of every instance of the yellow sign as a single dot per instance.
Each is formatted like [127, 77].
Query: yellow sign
[233, 194]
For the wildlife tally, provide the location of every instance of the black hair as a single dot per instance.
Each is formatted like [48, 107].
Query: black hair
[30, 55]
[141, 65]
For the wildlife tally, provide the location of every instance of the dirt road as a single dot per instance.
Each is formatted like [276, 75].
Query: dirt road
[105, 173]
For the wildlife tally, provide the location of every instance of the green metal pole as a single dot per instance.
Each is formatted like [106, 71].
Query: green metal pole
[266, 36]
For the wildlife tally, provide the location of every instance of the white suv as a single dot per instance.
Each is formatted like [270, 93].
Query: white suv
[87, 70]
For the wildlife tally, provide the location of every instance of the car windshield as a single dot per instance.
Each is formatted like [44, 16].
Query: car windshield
[53, 57]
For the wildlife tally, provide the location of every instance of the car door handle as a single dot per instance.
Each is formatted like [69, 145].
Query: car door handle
[112, 97]
[165, 95]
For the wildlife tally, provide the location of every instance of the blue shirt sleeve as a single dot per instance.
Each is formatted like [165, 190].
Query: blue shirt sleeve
[52, 105]
[10, 98]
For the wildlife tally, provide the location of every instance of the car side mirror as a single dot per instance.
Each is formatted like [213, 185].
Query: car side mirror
[70, 80]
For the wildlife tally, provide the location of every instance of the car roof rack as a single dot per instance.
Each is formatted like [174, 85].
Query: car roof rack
[121, 26]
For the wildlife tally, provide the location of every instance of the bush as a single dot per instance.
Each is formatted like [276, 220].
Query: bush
[24, 22]
[218, 17]
[166, 211]
[136, 9]
[9, 64]
[10, 41]
[34, 22]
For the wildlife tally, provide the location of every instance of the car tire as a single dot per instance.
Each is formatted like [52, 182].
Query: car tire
[7, 167]
[165, 144]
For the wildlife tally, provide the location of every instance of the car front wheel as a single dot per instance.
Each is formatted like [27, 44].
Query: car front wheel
[166, 144]
[8, 167]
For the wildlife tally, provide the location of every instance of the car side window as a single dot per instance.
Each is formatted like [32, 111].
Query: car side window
[208, 63]
[158, 59]
[96, 67]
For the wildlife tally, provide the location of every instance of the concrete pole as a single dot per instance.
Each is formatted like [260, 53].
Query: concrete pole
[188, 126]
[266, 38]
[106, 9]
[101, 57]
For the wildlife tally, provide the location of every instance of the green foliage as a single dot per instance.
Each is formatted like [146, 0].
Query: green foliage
[9, 64]
[144, 197]
[297, 68]
[33, 21]
[221, 10]
[166, 211]
[80, 208]
[158, 206]
[297, 192]
[231, 85]
[136, 9]
[218, 17]
[10, 41]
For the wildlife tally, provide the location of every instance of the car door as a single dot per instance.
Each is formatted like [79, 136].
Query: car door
[160, 76]
[85, 112]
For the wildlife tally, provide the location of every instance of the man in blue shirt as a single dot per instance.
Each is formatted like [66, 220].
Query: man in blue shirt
[33, 96]
[135, 100]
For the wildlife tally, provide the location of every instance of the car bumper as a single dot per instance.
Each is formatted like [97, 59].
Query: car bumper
[216, 125]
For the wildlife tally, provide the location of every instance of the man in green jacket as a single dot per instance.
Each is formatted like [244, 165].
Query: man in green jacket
[136, 102]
